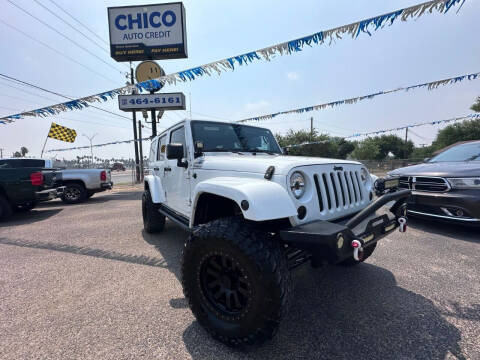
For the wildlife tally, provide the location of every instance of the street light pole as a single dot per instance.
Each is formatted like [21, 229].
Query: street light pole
[91, 146]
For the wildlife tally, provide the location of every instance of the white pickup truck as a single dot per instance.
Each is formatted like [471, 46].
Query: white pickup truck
[253, 215]
[81, 184]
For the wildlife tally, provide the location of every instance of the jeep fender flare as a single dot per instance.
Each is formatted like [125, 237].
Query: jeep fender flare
[156, 189]
[267, 200]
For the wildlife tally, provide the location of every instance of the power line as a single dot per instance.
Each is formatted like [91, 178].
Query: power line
[78, 21]
[58, 52]
[64, 36]
[58, 94]
[70, 25]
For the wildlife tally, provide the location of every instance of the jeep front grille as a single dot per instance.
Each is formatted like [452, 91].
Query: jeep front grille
[338, 189]
[424, 183]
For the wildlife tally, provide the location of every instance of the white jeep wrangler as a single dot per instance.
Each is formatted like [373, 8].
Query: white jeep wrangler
[254, 214]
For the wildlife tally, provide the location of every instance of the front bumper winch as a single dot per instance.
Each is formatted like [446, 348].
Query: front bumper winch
[337, 241]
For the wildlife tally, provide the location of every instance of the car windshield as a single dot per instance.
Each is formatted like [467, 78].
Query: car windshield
[223, 137]
[464, 152]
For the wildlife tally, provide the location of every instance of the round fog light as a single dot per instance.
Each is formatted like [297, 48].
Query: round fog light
[302, 212]
[459, 212]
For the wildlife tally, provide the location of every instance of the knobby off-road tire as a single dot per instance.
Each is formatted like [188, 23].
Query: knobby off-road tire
[5, 208]
[236, 280]
[364, 256]
[153, 221]
[74, 193]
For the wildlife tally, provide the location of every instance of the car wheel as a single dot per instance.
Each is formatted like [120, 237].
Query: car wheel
[74, 193]
[5, 208]
[236, 280]
[153, 221]
[362, 255]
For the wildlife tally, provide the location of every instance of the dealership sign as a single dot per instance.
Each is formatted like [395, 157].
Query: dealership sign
[159, 101]
[149, 32]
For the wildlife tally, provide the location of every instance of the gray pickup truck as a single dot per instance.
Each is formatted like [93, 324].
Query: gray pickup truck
[81, 184]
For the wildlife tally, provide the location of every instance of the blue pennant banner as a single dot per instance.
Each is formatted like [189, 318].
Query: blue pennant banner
[430, 86]
[286, 48]
[98, 145]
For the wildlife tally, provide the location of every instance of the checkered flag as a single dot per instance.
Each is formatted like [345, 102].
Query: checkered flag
[62, 133]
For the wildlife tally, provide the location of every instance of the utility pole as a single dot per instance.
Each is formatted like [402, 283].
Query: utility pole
[140, 147]
[154, 121]
[406, 145]
[91, 147]
[134, 118]
[311, 128]
[1, 153]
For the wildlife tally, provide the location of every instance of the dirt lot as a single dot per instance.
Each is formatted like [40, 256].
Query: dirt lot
[84, 281]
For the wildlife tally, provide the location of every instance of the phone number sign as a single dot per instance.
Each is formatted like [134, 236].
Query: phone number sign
[164, 101]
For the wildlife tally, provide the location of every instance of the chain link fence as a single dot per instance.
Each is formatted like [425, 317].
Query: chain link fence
[381, 167]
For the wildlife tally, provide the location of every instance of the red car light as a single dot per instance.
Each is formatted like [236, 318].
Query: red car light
[36, 178]
[103, 176]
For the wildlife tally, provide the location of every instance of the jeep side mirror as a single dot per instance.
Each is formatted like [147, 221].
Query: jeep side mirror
[174, 151]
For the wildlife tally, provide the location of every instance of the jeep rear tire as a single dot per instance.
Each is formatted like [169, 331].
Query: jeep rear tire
[153, 221]
[74, 193]
[236, 280]
[5, 208]
[362, 255]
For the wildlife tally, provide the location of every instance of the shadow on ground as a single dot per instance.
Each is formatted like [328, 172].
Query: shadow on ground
[97, 199]
[465, 233]
[336, 313]
[28, 217]
[87, 251]
[348, 313]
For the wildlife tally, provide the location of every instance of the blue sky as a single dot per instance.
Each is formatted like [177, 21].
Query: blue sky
[430, 48]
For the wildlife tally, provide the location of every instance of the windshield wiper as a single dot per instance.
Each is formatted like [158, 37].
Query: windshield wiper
[254, 151]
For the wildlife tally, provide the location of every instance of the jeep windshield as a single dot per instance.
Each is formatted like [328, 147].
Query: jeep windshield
[226, 137]
[463, 152]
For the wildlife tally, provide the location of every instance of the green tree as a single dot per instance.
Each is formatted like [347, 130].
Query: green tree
[23, 151]
[466, 130]
[476, 107]
[367, 149]
[17, 154]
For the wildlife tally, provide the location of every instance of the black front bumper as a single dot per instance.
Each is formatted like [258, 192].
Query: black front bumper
[331, 241]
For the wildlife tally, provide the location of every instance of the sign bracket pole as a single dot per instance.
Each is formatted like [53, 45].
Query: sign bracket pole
[134, 118]
[154, 121]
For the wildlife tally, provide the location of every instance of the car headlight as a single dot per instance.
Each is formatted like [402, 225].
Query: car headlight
[465, 183]
[297, 184]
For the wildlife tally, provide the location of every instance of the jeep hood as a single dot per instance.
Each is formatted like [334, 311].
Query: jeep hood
[260, 162]
[441, 169]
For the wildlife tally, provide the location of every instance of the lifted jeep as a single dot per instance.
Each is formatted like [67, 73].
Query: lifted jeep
[254, 214]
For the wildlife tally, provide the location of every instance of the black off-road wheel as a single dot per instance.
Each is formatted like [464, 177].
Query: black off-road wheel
[74, 193]
[362, 255]
[5, 208]
[153, 221]
[236, 280]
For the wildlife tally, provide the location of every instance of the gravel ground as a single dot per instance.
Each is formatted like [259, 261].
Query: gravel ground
[85, 282]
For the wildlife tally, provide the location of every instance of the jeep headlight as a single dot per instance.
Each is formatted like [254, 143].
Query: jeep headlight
[297, 184]
[465, 183]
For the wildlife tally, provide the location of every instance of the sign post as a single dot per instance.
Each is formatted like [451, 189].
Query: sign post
[148, 70]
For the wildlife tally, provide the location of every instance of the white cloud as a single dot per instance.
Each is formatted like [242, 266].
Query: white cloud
[256, 106]
[293, 75]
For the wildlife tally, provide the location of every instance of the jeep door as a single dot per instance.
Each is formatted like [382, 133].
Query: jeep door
[176, 178]
[157, 158]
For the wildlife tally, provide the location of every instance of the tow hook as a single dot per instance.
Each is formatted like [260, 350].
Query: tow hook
[403, 224]
[357, 247]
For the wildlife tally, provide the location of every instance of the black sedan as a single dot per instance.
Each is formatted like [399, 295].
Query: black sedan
[446, 187]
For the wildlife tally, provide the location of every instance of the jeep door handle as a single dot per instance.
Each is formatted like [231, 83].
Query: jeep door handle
[167, 169]
[156, 169]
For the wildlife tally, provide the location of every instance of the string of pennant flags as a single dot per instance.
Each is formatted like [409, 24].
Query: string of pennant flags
[228, 64]
[430, 86]
[455, 119]
[98, 145]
